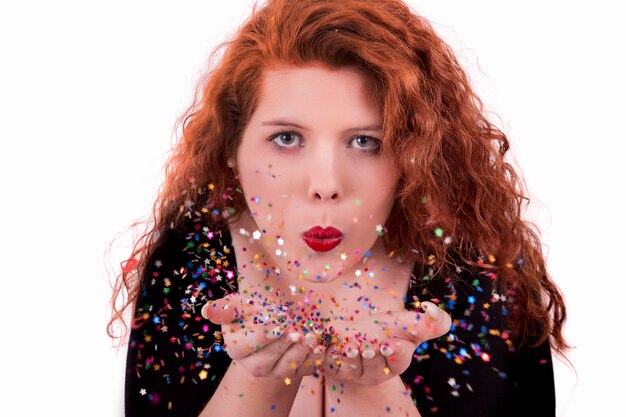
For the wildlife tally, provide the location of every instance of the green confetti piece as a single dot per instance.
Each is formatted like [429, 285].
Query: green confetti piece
[438, 232]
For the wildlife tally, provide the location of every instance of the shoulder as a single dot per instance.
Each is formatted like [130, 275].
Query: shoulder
[175, 360]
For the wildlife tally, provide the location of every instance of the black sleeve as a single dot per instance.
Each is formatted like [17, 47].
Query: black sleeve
[474, 369]
[174, 361]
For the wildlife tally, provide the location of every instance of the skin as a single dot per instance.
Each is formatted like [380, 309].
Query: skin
[326, 168]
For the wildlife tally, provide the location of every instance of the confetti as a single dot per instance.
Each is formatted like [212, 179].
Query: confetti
[129, 264]
[208, 270]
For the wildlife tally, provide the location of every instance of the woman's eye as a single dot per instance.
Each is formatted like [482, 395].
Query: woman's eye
[366, 143]
[286, 140]
[291, 140]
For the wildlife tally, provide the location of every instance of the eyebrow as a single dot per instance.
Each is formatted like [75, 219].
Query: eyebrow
[371, 128]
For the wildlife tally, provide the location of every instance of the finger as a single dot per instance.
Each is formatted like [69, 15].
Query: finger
[230, 308]
[436, 322]
[348, 366]
[416, 327]
[279, 342]
[313, 362]
[261, 362]
[241, 340]
[375, 368]
[292, 358]
[398, 354]
[333, 360]
[310, 340]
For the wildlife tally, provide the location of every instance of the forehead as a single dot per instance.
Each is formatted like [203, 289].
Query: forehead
[301, 87]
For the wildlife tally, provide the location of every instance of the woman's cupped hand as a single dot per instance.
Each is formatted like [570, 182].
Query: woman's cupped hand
[263, 339]
[268, 340]
[379, 347]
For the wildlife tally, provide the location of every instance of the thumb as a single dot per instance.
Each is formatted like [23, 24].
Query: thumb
[228, 309]
[417, 327]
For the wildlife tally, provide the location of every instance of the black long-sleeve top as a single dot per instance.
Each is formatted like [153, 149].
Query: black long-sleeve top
[175, 359]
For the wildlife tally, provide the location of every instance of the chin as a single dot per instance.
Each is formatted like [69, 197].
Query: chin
[323, 279]
[315, 271]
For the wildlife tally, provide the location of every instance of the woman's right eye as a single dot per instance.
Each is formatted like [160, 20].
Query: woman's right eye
[286, 140]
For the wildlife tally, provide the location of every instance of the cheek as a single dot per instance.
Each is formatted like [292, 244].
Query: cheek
[383, 192]
[267, 192]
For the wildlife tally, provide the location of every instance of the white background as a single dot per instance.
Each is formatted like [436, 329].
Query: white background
[90, 91]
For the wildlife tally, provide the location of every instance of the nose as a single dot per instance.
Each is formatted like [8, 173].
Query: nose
[322, 195]
[325, 176]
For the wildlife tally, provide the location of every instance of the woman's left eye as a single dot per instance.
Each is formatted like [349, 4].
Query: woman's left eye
[365, 143]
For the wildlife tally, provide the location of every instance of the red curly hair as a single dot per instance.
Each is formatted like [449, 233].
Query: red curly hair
[451, 158]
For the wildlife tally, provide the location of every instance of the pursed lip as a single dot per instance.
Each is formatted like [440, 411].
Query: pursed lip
[322, 239]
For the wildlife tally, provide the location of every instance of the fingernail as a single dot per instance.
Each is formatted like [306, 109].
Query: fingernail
[318, 350]
[275, 333]
[368, 354]
[294, 337]
[386, 351]
[430, 309]
[352, 353]
[205, 310]
[309, 339]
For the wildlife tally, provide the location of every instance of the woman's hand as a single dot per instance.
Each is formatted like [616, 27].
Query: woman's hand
[261, 338]
[377, 348]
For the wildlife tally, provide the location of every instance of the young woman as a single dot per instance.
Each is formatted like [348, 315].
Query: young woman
[339, 234]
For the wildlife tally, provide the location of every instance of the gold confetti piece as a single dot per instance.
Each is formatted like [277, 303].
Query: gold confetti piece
[287, 381]
[203, 374]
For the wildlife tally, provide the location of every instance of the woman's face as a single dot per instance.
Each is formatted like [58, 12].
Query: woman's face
[313, 173]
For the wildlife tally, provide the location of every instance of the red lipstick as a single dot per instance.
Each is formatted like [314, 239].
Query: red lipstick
[322, 239]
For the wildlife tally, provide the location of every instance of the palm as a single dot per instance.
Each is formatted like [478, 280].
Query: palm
[376, 348]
